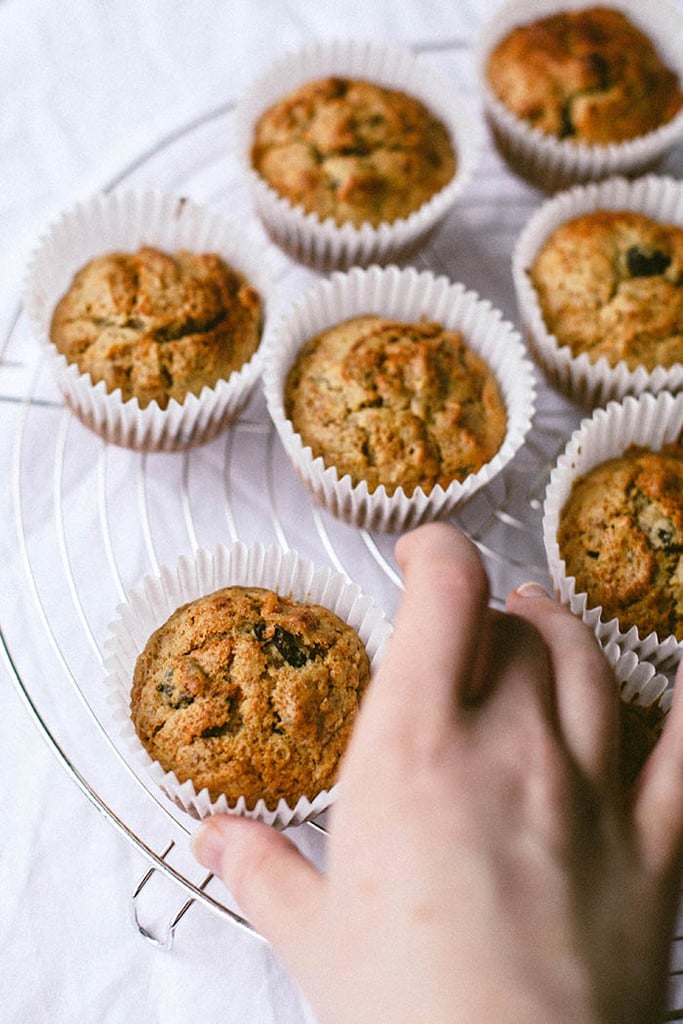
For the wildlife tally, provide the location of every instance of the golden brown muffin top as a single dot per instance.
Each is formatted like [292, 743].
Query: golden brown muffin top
[251, 694]
[352, 150]
[400, 404]
[156, 325]
[610, 283]
[621, 535]
[590, 75]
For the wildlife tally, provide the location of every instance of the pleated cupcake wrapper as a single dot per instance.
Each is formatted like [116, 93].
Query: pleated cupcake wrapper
[150, 605]
[551, 163]
[406, 295]
[125, 221]
[323, 243]
[649, 421]
[591, 383]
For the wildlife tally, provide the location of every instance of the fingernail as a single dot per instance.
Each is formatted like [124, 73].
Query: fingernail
[531, 590]
[207, 846]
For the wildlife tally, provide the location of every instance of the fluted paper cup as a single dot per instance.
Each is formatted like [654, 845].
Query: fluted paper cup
[587, 382]
[150, 605]
[649, 421]
[551, 163]
[406, 295]
[321, 242]
[126, 221]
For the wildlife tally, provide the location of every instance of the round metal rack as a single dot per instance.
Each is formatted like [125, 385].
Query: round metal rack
[91, 520]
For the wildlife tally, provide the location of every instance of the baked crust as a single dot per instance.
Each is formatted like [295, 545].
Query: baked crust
[395, 404]
[158, 326]
[250, 694]
[610, 283]
[590, 75]
[620, 535]
[353, 151]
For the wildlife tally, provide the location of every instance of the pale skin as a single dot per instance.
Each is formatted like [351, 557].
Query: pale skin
[482, 865]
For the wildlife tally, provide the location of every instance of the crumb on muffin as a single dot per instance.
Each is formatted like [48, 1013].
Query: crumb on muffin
[610, 283]
[353, 151]
[588, 75]
[620, 535]
[157, 325]
[395, 404]
[250, 694]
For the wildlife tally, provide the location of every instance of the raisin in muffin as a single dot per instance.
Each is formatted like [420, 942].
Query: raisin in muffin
[620, 536]
[589, 75]
[610, 283]
[353, 151]
[158, 326]
[395, 404]
[250, 694]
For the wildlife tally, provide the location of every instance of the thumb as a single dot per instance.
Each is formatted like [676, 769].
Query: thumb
[276, 887]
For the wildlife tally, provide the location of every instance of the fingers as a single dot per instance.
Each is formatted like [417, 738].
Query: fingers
[658, 807]
[438, 630]
[276, 888]
[586, 694]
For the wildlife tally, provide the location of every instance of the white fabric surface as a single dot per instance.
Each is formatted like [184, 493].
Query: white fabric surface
[88, 87]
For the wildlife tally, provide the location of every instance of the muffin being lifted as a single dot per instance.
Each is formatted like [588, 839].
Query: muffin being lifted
[250, 694]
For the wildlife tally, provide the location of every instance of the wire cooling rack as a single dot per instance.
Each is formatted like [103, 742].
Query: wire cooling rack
[91, 520]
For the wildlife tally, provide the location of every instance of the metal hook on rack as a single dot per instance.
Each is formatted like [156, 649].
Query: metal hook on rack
[164, 942]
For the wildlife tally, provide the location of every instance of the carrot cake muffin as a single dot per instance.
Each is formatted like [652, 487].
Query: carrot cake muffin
[610, 283]
[156, 325]
[395, 404]
[250, 694]
[621, 536]
[353, 151]
[589, 75]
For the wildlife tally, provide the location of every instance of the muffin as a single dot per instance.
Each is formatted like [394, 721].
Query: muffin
[395, 404]
[396, 337]
[580, 92]
[610, 284]
[620, 536]
[589, 74]
[611, 517]
[158, 325]
[258, 655]
[250, 694]
[596, 274]
[150, 308]
[352, 150]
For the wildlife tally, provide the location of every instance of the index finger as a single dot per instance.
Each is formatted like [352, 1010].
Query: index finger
[429, 660]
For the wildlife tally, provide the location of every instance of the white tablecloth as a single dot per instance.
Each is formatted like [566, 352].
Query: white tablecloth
[86, 89]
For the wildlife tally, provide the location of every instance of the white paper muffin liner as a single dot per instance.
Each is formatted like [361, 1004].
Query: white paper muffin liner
[409, 295]
[323, 243]
[648, 421]
[150, 605]
[125, 221]
[586, 382]
[551, 163]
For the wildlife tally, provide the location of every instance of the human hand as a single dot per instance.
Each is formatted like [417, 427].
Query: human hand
[482, 865]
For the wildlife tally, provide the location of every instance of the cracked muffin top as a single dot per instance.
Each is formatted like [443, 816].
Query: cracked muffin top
[621, 535]
[250, 694]
[156, 325]
[590, 75]
[610, 283]
[395, 404]
[353, 151]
